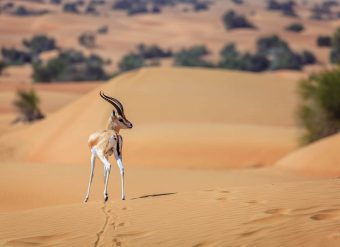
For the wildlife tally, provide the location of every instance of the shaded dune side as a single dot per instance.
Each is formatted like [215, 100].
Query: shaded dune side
[321, 158]
[197, 117]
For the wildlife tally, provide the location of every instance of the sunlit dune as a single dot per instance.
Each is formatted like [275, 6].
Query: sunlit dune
[319, 159]
[198, 118]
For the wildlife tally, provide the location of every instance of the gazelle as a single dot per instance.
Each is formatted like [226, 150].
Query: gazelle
[105, 143]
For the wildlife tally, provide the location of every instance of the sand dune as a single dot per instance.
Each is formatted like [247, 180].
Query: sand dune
[320, 158]
[177, 113]
[283, 214]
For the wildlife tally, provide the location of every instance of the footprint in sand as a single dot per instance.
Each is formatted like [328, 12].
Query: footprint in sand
[256, 202]
[277, 211]
[271, 216]
[328, 214]
[303, 210]
[252, 232]
[222, 195]
[37, 240]
[116, 242]
[133, 235]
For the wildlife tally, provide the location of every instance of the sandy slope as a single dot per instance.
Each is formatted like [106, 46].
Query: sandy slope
[277, 214]
[320, 158]
[195, 117]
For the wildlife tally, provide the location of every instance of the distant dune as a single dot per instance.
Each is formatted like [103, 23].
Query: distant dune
[321, 158]
[182, 117]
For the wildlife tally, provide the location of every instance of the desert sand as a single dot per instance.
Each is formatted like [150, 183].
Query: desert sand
[180, 189]
[177, 112]
[213, 158]
[319, 159]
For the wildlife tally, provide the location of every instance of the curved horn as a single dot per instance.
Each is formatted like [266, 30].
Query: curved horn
[116, 101]
[108, 99]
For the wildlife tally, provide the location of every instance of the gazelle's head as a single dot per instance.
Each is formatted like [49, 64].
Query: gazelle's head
[117, 119]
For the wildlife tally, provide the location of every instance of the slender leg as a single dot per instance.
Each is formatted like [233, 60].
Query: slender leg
[107, 169]
[121, 168]
[93, 160]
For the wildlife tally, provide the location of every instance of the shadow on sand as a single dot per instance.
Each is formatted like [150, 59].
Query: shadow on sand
[154, 195]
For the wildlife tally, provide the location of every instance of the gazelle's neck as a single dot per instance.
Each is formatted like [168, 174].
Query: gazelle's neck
[112, 126]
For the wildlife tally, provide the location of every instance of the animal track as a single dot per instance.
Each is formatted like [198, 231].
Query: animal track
[256, 202]
[251, 233]
[328, 214]
[221, 196]
[36, 240]
[277, 211]
[273, 218]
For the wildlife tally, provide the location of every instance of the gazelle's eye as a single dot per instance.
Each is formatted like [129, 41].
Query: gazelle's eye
[121, 120]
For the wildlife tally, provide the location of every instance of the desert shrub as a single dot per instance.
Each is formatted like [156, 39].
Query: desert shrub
[307, 57]
[192, 57]
[70, 65]
[57, 2]
[23, 11]
[335, 48]
[233, 59]
[285, 59]
[238, 2]
[131, 61]
[324, 41]
[97, 2]
[122, 5]
[201, 6]
[71, 8]
[40, 43]
[103, 29]
[153, 51]
[295, 27]
[286, 8]
[268, 43]
[156, 9]
[91, 10]
[321, 11]
[12, 56]
[319, 112]
[233, 20]
[87, 40]
[254, 62]
[280, 54]
[138, 9]
[27, 103]
[2, 66]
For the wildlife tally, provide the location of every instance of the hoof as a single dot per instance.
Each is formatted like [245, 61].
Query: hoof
[86, 199]
[123, 198]
[106, 198]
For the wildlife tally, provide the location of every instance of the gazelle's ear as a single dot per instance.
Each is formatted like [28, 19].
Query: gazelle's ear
[113, 113]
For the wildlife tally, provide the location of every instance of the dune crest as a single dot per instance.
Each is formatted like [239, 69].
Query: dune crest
[321, 158]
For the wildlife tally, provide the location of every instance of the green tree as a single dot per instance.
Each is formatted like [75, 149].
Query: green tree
[295, 27]
[319, 111]
[40, 43]
[2, 66]
[193, 57]
[335, 48]
[233, 20]
[27, 103]
[131, 61]
[70, 65]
